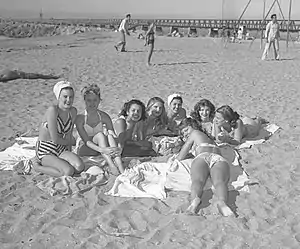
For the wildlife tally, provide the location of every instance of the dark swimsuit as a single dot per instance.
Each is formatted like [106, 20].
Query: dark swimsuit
[44, 148]
[150, 38]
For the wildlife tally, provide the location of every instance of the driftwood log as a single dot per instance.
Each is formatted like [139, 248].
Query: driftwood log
[8, 75]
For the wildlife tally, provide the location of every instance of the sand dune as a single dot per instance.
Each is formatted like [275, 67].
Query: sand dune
[268, 216]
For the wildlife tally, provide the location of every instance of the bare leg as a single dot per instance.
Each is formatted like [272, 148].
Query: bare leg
[54, 166]
[220, 174]
[101, 140]
[199, 175]
[112, 143]
[73, 160]
[151, 47]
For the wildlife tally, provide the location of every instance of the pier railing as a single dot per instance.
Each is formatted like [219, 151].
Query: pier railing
[179, 23]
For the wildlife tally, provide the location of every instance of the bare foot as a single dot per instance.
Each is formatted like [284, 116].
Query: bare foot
[224, 209]
[149, 64]
[192, 209]
[116, 48]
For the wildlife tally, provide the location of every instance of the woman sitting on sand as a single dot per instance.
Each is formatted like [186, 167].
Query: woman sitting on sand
[53, 149]
[228, 127]
[129, 126]
[208, 161]
[175, 113]
[96, 131]
[204, 112]
[157, 121]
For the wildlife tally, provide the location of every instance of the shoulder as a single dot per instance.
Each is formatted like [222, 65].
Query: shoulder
[52, 110]
[120, 121]
[104, 115]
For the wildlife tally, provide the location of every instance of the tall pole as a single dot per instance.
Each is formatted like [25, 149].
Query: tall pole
[288, 27]
[262, 31]
[223, 2]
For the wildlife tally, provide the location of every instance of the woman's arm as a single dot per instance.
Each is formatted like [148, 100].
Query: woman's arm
[109, 125]
[186, 148]
[238, 133]
[86, 139]
[51, 118]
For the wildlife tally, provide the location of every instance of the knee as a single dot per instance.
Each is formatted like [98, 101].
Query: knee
[79, 165]
[69, 171]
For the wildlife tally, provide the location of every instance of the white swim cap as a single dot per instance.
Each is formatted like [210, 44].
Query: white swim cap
[173, 96]
[61, 85]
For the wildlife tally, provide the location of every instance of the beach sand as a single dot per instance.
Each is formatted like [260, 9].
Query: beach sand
[268, 216]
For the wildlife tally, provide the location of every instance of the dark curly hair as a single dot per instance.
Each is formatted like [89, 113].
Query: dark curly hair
[127, 106]
[197, 108]
[195, 124]
[229, 115]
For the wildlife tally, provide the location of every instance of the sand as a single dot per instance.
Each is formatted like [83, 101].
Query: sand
[268, 216]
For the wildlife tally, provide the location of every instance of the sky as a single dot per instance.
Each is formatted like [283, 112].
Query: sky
[199, 9]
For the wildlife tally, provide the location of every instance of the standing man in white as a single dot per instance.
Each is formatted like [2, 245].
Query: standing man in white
[272, 36]
[123, 29]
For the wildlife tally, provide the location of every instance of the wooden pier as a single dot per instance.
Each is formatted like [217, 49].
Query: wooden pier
[180, 23]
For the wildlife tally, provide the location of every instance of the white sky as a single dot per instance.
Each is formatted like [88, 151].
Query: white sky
[143, 8]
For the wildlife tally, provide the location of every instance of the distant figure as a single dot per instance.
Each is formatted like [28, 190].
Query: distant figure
[150, 41]
[123, 29]
[272, 37]
[240, 35]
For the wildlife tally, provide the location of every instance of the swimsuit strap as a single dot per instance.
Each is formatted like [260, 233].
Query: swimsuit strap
[62, 127]
[86, 116]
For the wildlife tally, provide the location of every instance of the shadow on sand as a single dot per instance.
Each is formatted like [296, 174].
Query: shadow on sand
[181, 63]
[155, 51]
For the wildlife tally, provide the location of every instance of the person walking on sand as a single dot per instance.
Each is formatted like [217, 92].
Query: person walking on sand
[272, 36]
[123, 29]
[150, 41]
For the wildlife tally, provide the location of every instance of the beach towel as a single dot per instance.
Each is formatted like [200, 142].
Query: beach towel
[150, 179]
[266, 131]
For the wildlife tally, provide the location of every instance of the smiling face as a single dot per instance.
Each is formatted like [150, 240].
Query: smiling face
[219, 119]
[175, 106]
[204, 113]
[66, 98]
[92, 101]
[186, 131]
[134, 113]
[156, 109]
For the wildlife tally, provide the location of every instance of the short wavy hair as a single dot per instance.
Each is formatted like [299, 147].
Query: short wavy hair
[91, 88]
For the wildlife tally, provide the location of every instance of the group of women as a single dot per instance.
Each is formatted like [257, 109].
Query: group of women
[136, 124]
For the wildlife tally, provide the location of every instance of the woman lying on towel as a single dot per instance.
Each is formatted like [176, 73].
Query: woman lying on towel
[96, 130]
[204, 112]
[228, 127]
[208, 161]
[53, 149]
[130, 129]
[175, 113]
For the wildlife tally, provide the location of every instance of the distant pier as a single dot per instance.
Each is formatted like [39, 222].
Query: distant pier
[178, 23]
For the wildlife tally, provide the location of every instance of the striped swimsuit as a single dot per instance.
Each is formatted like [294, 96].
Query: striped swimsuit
[44, 148]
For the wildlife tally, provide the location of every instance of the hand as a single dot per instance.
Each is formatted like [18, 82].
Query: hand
[174, 166]
[110, 151]
[223, 137]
